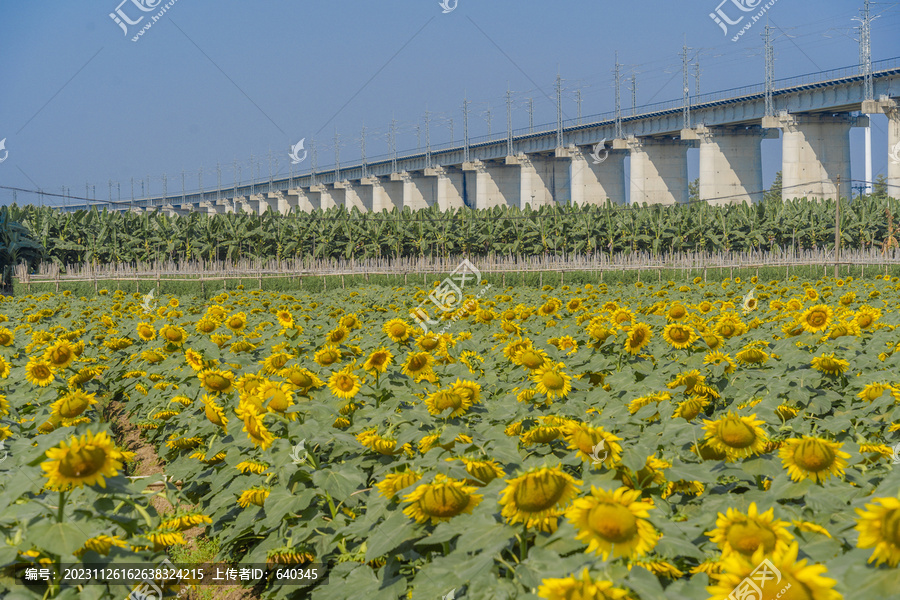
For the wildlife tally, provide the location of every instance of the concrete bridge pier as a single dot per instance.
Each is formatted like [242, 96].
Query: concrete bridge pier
[493, 184]
[730, 163]
[378, 195]
[297, 198]
[352, 197]
[257, 204]
[418, 191]
[448, 185]
[543, 180]
[321, 197]
[890, 107]
[816, 150]
[659, 169]
[596, 183]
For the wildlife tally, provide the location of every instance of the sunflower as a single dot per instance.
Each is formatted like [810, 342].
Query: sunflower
[583, 588]
[328, 355]
[874, 391]
[173, 335]
[255, 495]
[285, 319]
[236, 322]
[206, 325]
[744, 533]
[676, 312]
[593, 443]
[344, 383]
[808, 580]
[481, 472]
[252, 466]
[194, 360]
[614, 523]
[752, 354]
[397, 329]
[531, 358]
[735, 436]
[146, 331]
[828, 364]
[878, 528]
[6, 337]
[552, 381]
[73, 404]
[418, 366]
[813, 458]
[256, 430]
[392, 483]
[275, 362]
[816, 318]
[440, 500]
[5, 368]
[638, 336]
[39, 372]
[278, 397]
[538, 497]
[303, 379]
[216, 381]
[181, 521]
[101, 544]
[375, 442]
[442, 400]
[378, 361]
[60, 355]
[81, 461]
[338, 335]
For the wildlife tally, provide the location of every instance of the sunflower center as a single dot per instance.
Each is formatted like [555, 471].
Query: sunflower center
[83, 462]
[814, 456]
[537, 493]
[447, 400]
[864, 320]
[301, 379]
[398, 330]
[429, 343]
[338, 336]
[748, 536]
[736, 433]
[378, 359]
[417, 363]
[328, 357]
[173, 335]
[817, 319]
[40, 372]
[444, 501]
[532, 359]
[890, 531]
[678, 335]
[278, 400]
[553, 380]
[60, 355]
[216, 382]
[638, 337]
[613, 522]
[235, 323]
[344, 383]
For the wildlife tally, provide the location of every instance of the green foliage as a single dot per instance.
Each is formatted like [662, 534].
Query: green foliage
[105, 237]
[16, 245]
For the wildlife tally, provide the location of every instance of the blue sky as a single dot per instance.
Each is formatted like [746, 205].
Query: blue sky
[214, 82]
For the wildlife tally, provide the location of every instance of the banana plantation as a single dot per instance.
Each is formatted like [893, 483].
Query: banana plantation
[106, 237]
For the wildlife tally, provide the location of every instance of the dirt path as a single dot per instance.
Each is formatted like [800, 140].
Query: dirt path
[148, 464]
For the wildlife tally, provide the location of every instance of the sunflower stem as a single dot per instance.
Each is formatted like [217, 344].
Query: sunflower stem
[523, 544]
[62, 507]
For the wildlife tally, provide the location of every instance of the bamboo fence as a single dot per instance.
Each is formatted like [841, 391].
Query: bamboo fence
[641, 262]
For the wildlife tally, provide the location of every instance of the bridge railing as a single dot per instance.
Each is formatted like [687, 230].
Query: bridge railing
[880, 68]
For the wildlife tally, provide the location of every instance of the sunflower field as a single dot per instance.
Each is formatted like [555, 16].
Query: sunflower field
[625, 441]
